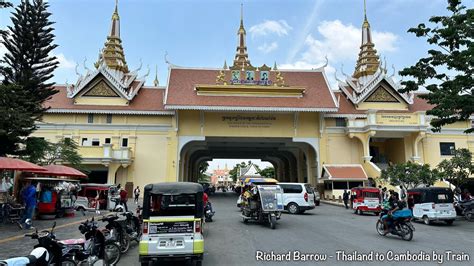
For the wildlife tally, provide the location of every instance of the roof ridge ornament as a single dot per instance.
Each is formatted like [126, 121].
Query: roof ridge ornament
[241, 57]
[155, 81]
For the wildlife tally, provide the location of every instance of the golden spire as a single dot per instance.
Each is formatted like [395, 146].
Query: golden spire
[241, 57]
[155, 82]
[225, 65]
[112, 54]
[368, 61]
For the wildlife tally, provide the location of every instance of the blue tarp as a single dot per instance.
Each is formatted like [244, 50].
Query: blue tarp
[402, 214]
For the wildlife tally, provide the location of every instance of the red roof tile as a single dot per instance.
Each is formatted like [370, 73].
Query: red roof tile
[345, 171]
[182, 83]
[146, 100]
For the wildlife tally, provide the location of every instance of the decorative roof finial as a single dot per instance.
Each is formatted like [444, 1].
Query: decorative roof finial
[225, 65]
[241, 56]
[112, 54]
[155, 82]
[368, 61]
[275, 66]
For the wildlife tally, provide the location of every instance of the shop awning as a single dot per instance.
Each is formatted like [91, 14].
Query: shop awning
[61, 170]
[20, 165]
[343, 172]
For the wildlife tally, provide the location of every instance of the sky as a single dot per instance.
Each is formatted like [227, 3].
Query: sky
[297, 34]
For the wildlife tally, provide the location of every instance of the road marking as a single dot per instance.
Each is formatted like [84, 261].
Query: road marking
[49, 228]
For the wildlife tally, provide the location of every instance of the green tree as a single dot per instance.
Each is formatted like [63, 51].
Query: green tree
[43, 152]
[27, 65]
[448, 70]
[268, 172]
[202, 172]
[235, 172]
[457, 169]
[410, 175]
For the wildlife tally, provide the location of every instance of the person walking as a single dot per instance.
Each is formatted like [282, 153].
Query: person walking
[345, 198]
[123, 198]
[29, 198]
[136, 192]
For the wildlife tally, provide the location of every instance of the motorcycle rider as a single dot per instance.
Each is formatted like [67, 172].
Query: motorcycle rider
[205, 199]
[395, 205]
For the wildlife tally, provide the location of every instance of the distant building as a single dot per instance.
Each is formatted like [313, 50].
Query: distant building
[221, 177]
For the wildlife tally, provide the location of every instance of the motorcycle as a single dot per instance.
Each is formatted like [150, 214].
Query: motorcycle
[131, 226]
[208, 213]
[38, 257]
[94, 249]
[400, 225]
[466, 209]
[58, 253]
[118, 205]
[115, 232]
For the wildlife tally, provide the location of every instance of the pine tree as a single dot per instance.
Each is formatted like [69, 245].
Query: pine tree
[448, 71]
[28, 62]
[26, 68]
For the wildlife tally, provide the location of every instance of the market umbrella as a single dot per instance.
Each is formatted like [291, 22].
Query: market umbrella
[60, 170]
[17, 164]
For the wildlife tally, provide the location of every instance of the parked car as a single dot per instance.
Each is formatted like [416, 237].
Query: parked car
[433, 204]
[297, 197]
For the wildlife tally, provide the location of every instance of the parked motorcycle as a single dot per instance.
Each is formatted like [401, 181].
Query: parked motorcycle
[208, 213]
[400, 225]
[466, 209]
[131, 226]
[94, 249]
[58, 253]
[38, 257]
[115, 232]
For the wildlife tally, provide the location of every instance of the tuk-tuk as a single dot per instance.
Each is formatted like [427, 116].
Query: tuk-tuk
[172, 223]
[366, 199]
[432, 204]
[96, 197]
[55, 197]
[262, 201]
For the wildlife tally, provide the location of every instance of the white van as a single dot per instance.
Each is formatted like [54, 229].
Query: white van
[432, 204]
[297, 197]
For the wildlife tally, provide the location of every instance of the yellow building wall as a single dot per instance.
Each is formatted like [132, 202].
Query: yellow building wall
[195, 123]
[431, 148]
[101, 101]
[340, 149]
[382, 106]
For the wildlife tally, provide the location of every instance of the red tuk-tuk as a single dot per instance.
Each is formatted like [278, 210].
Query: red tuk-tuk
[366, 199]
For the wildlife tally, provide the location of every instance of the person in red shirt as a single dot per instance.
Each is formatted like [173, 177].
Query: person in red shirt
[205, 198]
[123, 198]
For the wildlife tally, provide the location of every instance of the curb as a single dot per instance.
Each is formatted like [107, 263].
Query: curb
[332, 203]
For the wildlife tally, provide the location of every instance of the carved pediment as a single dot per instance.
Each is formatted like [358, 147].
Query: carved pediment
[101, 89]
[382, 95]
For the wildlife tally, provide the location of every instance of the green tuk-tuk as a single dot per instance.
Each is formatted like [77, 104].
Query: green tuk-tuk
[172, 223]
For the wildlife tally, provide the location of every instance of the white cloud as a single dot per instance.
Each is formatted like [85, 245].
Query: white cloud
[267, 48]
[64, 63]
[268, 27]
[341, 42]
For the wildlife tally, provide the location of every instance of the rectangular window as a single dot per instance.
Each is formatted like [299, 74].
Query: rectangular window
[447, 148]
[90, 118]
[124, 142]
[340, 122]
[339, 185]
[107, 140]
[108, 119]
[95, 142]
[84, 142]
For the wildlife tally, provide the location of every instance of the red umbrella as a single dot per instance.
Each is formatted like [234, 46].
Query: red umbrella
[61, 170]
[17, 164]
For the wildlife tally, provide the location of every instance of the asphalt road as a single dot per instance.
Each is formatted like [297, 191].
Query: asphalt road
[321, 232]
